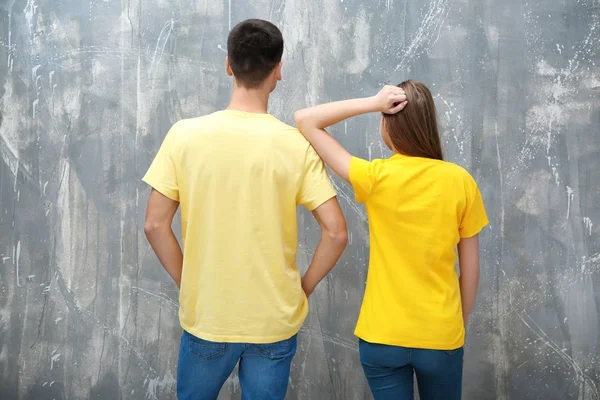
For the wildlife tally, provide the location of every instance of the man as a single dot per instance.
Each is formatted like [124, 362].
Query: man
[239, 175]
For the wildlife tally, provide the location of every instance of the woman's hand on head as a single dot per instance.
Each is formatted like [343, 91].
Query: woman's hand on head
[390, 100]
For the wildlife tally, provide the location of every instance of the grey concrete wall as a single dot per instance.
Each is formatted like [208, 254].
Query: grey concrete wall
[89, 88]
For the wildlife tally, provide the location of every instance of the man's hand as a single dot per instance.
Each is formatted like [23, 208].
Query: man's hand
[308, 291]
[390, 100]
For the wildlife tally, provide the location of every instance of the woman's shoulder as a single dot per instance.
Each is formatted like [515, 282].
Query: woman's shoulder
[452, 168]
[457, 173]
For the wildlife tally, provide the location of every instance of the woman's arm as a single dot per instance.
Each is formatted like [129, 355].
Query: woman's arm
[468, 259]
[313, 121]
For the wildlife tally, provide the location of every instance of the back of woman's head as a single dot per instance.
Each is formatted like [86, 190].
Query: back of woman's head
[414, 130]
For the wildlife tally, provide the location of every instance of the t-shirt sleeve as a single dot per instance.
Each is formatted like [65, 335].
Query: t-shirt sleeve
[474, 217]
[361, 178]
[315, 185]
[162, 174]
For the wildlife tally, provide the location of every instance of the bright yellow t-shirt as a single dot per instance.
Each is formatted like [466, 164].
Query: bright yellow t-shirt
[239, 178]
[418, 209]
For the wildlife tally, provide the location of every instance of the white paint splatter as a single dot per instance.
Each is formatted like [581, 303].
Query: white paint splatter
[362, 42]
[555, 173]
[162, 296]
[18, 256]
[163, 38]
[547, 341]
[549, 142]
[156, 384]
[29, 11]
[545, 69]
[35, 105]
[55, 358]
[34, 72]
[9, 59]
[592, 260]
[570, 196]
[381, 149]
[430, 25]
[457, 124]
[16, 172]
[588, 225]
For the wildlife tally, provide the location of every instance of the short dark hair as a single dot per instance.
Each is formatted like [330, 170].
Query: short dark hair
[254, 48]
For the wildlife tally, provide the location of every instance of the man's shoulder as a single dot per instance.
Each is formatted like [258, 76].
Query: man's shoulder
[195, 122]
[188, 129]
[279, 124]
[290, 134]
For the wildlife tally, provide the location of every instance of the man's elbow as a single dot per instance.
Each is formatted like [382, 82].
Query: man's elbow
[152, 227]
[338, 237]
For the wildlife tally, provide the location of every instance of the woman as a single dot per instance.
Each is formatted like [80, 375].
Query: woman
[420, 210]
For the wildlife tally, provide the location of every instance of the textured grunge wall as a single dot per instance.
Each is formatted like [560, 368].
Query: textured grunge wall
[88, 89]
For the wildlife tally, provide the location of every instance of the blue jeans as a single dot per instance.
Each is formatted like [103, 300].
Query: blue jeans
[204, 367]
[389, 371]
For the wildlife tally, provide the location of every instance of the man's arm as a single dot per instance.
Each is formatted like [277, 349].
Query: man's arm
[468, 259]
[334, 237]
[159, 217]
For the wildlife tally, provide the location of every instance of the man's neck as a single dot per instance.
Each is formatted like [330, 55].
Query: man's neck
[249, 100]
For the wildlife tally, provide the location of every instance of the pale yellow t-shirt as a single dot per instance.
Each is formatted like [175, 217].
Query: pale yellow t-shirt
[239, 178]
[418, 209]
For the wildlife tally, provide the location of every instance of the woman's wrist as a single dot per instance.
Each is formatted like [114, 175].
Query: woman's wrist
[371, 104]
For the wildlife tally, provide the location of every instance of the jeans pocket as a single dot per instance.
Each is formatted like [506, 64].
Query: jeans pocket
[204, 349]
[278, 349]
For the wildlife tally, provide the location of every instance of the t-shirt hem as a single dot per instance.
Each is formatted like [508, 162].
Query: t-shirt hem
[322, 200]
[473, 232]
[161, 189]
[409, 344]
[241, 338]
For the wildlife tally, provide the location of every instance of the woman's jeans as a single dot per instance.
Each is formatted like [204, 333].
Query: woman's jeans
[390, 369]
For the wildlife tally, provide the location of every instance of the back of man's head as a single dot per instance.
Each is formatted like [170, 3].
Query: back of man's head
[254, 49]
